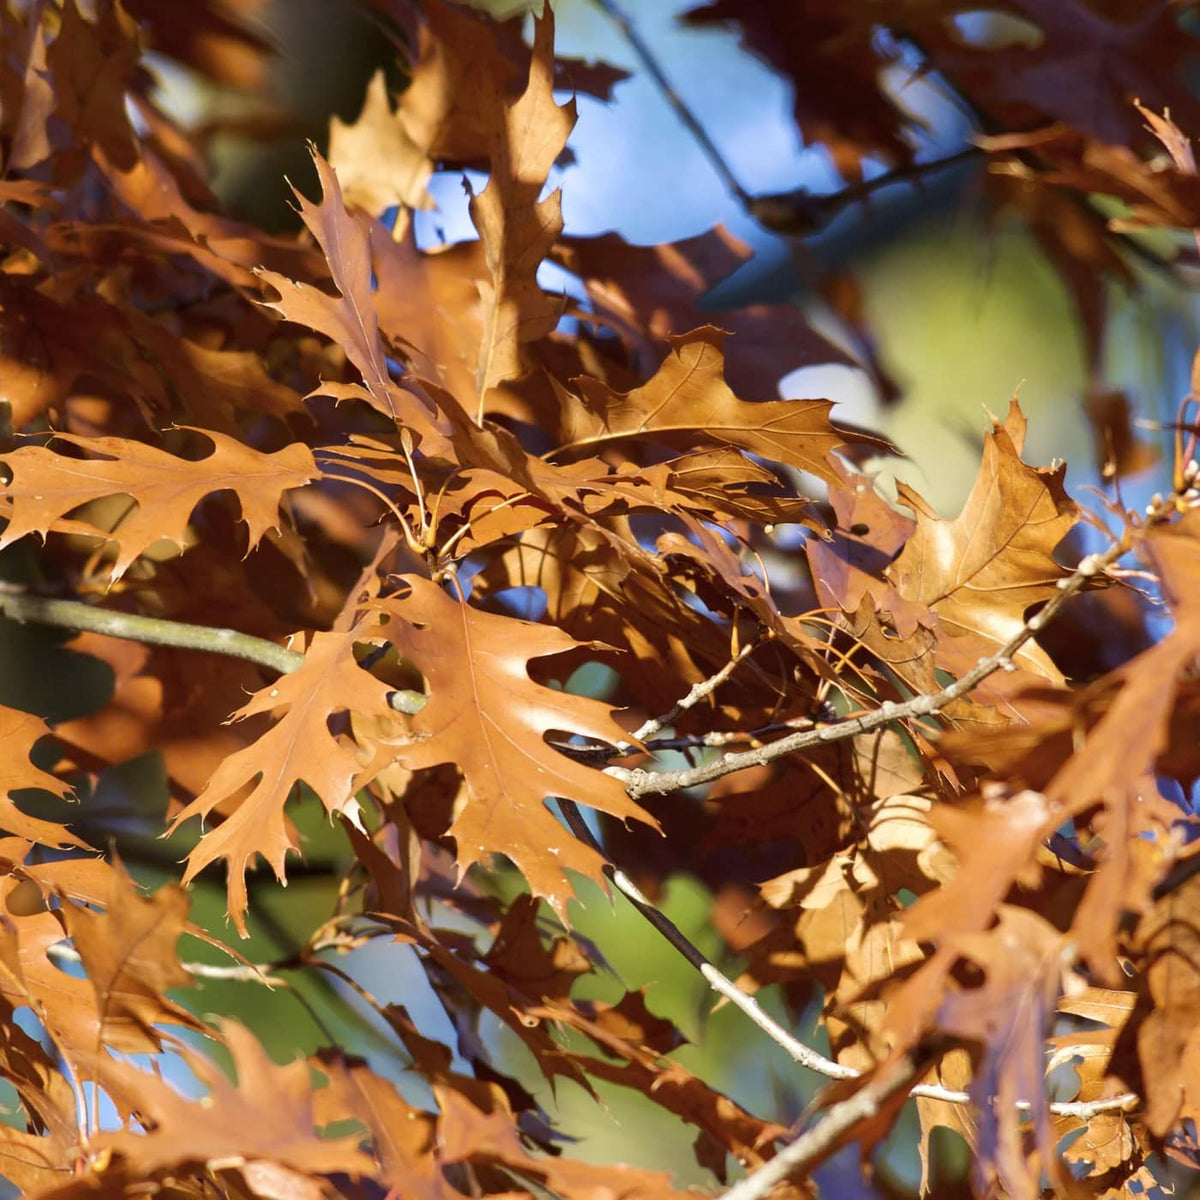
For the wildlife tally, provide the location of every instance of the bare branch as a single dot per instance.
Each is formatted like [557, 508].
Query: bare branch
[699, 691]
[640, 783]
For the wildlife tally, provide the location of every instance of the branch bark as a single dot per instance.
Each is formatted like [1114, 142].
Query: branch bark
[640, 783]
[27, 607]
[823, 1138]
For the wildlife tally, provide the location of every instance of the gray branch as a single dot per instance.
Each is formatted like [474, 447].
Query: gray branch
[79, 615]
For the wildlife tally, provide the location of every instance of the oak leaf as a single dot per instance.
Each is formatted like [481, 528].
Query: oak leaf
[348, 319]
[981, 572]
[19, 733]
[1009, 1016]
[487, 715]
[835, 61]
[377, 163]
[517, 228]
[45, 487]
[91, 64]
[467, 1135]
[129, 957]
[1113, 55]
[266, 1120]
[403, 1137]
[82, 1022]
[687, 404]
[1167, 939]
[214, 386]
[300, 747]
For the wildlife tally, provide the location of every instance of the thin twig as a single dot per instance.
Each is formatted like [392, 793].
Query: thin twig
[719, 982]
[802, 212]
[155, 631]
[685, 114]
[699, 691]
[241, 973]
[786, 211]
[640, 783]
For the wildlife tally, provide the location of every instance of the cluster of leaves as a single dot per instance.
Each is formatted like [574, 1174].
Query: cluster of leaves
[981, 867]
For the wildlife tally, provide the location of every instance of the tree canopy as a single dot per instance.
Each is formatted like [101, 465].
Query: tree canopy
[382, 562]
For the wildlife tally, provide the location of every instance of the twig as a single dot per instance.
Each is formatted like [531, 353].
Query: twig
[685, 114]
[241, 973]
[699, 691]
[155, 631]
[801, 212]
[718, 981]
[806, 1056]
[640, 783]
[822, 1138]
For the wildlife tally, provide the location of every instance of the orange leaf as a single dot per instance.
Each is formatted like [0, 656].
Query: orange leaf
[300, 747]
[348, 319]
[46, 486]
[688, 404]
[979, 573]
[266, 1120]
[486, 715]
[19, 733]
[516, 228]
[128, 954]
[377, 162]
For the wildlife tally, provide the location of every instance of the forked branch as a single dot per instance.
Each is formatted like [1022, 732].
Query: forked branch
[646, 783]
[823, 1138]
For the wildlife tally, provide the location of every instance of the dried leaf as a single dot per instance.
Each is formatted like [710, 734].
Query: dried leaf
[982, 572]
[46, 487]
[349, 318]
[487, 715]
[517, 228]
[266, 1120]
[128, 953]
[688, 404]
[376, 162]
[252, 786]
[19, 733]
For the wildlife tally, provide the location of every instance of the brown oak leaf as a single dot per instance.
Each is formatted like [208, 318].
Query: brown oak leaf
[128, 954]
[982, 571]
[687, 404]
[267, 1119]
[516, 228]
[19, 733]
[487, 715]
[301, 747]
[46, 487]
[349, 319]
